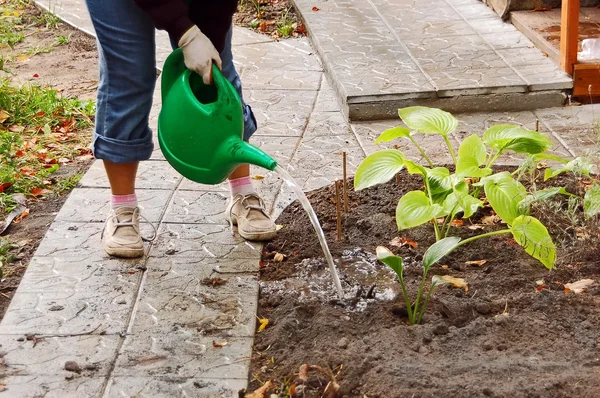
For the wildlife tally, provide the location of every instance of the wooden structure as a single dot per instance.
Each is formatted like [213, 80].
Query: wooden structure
[586, 76]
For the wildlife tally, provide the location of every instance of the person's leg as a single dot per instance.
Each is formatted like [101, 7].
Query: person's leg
[122, 137]
[247, 209]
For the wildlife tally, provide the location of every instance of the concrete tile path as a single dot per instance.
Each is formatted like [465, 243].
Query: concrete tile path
[386, 54]
[151, 327]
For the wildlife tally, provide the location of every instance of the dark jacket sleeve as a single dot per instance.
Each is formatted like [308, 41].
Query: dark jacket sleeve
[169, 15]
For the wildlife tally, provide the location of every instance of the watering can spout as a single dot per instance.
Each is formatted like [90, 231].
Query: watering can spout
[240, 152]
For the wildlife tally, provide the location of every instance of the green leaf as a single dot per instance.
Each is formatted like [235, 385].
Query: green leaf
[530, 233]
[460, 201]
[439, 250]
[578, 165]
[493, 178]
[591, 201]
[392, 134]
[388, 258]
[474, 148]
[428, 120]
[414, 168]
[471, 155]
[518, 139]
[441, 183]
[441, 178]
[541, 195]
[549, 156]
[468, 204]
[414, 209]
[378, 168]
[504, 196]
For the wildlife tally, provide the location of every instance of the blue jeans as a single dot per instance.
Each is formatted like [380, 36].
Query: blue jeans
[126, 50]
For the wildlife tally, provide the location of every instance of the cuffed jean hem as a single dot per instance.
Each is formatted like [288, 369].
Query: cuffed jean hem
[250, 125]
[118, 151]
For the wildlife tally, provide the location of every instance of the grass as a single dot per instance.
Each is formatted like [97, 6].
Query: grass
[49, 20]
[285, 26]
[39, 131]
[11, 17]
[62, 40]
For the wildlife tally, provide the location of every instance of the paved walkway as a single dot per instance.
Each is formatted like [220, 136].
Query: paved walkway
[385, 54]
[148, 327]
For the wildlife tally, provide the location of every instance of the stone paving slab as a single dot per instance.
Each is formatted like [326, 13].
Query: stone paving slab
[47, 356]
[156, 386]
[53, 387]
[393, 53]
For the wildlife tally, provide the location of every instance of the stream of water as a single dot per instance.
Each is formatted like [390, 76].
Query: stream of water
[315, 222]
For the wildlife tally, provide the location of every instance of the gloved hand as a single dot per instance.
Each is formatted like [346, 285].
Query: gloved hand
[199, 53]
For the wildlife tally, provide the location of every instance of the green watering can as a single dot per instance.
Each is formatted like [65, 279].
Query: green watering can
[200, 127]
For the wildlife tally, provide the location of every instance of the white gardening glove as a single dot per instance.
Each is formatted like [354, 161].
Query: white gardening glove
[199, 53]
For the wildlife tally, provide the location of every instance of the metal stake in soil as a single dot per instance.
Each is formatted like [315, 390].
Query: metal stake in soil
[338, 206]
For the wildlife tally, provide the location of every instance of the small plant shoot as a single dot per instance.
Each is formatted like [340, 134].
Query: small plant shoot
[436, 252]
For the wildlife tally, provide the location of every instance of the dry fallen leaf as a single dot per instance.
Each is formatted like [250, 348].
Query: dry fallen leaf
[278, 257]
[303, 373]
[479, 263]
[21, 216]
[490, 220]
[579, 286]
[214, 282]
[259, 393]
[36, 192]
[258, 177]
[540, 282]
[278, 227]
[401, 241]
[450, 280]
[457, 223]
[3, 115]
[263, 324]
[219, 345]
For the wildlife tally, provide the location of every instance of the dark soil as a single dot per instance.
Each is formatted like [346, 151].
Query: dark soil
[515, 333]
[276, 18]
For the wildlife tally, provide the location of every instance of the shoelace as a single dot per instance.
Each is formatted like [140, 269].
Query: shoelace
[118, 224]
[260, 207]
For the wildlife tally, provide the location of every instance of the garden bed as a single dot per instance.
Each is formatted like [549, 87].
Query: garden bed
[516, 331]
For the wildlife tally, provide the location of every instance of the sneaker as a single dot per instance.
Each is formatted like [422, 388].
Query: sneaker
[121, 235]
[248, 213]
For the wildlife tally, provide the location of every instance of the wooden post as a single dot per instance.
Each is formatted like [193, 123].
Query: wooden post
[569, 34]
[345, 187]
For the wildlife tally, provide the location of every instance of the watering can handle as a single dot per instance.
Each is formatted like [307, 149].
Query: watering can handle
[174, 68]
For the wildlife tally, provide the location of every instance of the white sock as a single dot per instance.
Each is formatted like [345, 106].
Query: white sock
[117, 201]
[241, 186]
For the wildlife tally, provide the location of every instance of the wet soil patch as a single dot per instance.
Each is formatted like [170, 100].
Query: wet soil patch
[515, 333]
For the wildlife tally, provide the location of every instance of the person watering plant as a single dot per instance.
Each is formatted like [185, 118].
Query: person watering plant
[125, 30]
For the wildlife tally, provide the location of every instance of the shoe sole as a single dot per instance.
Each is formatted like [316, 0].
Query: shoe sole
[258, 237]
[124, 253]
[255, 237]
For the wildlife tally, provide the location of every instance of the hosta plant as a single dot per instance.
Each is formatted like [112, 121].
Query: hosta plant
[448, 195]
